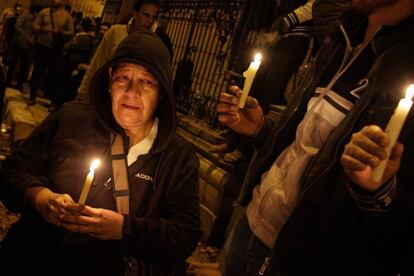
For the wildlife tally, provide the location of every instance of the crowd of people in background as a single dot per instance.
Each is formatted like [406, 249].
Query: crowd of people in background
[49, 47]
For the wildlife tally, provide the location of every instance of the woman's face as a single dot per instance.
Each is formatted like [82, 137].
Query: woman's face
[135, 94]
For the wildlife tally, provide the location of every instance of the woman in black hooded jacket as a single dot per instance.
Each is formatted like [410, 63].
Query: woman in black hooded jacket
[44, 177]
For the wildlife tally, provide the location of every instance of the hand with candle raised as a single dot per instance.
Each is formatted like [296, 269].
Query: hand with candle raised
[97, 222]
[49, 204]
[364, 152]
[248, 121]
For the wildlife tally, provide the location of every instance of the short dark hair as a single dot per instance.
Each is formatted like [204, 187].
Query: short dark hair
[86, 24]
[17, 5]
[139, 3]
[35, 8]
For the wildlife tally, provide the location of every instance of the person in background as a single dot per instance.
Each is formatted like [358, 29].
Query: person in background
[131, 100]
[66, 77]
[144, 16]
[10, 12]
[292, 35]
[68, 8]
[77, 18]
[7, 23]
[312, 206]
[103, 28]
[83, 66]
[49, 42]
[23, 42]
[2, 86]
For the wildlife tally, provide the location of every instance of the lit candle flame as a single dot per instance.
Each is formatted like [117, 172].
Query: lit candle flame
[410, 92]
[95, 164]
[257, 57]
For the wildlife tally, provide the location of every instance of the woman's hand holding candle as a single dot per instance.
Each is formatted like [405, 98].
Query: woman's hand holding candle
[49, 204]
[97, 222]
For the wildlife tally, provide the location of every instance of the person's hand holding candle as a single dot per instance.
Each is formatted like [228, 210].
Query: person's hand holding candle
[97, 222]
[247, 121]
[49, 204]
[365, 151]
[393, 129]
[373, 156]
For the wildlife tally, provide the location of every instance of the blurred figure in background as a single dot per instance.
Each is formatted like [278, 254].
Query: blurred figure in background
[99, 35]
[53, 25]
[10, 12]
[22, 42]
[292, 34]
[66, 77]
[144, 17]
[7, 23]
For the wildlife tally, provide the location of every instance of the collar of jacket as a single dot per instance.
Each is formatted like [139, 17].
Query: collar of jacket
[131, 28]
[130, 25]
[355, 25]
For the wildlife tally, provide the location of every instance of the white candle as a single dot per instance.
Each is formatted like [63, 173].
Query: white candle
[88, 181]
[249, 75]
[393, 129]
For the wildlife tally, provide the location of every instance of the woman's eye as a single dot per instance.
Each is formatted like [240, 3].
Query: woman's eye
[149, 83]
[121, 78]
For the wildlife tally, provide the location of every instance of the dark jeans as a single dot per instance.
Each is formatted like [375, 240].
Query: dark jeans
[24, 56]
[244, 253]
[42, 61]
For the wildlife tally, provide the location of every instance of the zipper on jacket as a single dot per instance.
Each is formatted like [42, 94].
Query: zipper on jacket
[264, 266]
[337, 75]
[243, 191]
[350, 129]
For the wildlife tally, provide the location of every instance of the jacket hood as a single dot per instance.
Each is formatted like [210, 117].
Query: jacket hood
[146, 49]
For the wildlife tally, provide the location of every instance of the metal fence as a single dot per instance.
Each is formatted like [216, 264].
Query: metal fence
[201, 33]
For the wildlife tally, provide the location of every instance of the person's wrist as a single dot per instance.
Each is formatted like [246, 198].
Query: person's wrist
[374, 201]
[259, 127]
[37, 197]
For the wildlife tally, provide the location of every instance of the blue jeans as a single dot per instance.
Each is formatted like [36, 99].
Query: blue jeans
[244, 253]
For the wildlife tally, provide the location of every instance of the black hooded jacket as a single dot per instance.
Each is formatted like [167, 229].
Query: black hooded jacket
[163, 226]
[328, 233]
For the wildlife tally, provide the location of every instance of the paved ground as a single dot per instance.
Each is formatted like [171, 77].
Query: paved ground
[6, 218]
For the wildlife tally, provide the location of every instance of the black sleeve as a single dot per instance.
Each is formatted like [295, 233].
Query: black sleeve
[167, 241]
